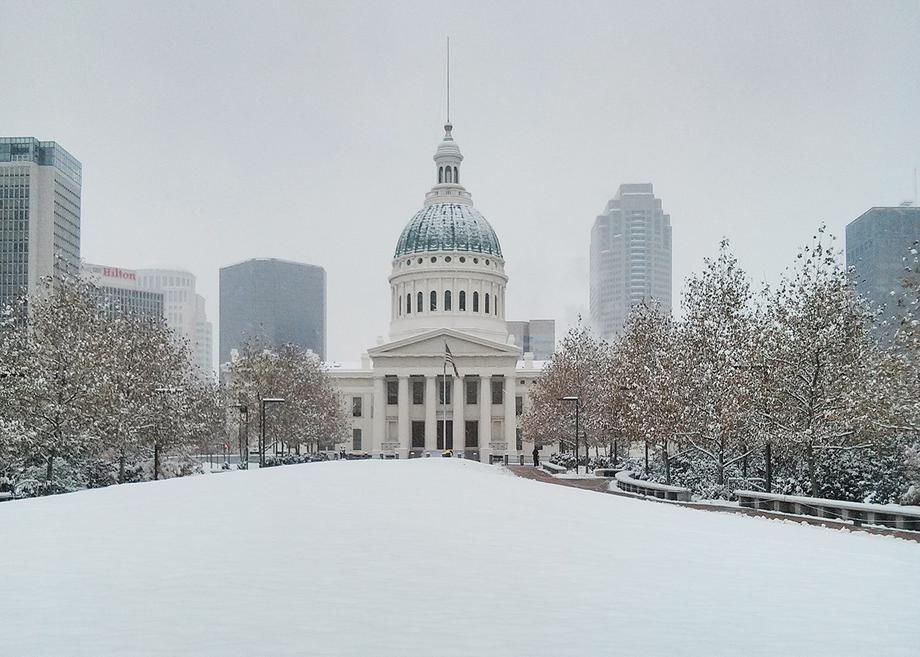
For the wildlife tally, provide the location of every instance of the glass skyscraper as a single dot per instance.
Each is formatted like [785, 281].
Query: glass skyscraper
[40, 187]
[630, 258]
[877, 244]
[279, 301]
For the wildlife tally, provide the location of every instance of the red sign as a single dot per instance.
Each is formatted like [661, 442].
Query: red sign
[115, 272]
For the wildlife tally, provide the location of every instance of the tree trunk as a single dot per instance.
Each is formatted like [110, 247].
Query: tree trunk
[121, 467]
[667, 464]
[646, 458]
[812, 471]
[721, 472]
[49, 473]
[768, 458]
[156, 460]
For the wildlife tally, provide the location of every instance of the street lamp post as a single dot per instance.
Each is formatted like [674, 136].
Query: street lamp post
[156, 441]
[577, 401]
[243, 431]
[262, 403]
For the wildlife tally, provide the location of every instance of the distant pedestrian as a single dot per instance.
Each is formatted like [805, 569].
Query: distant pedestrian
[536, 456]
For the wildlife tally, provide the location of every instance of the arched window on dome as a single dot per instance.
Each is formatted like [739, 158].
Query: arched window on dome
[440, 174]
[461, 301]
[434, 301]
[456, 175]
[475, 302]
[487, 303]
[408, 304]
[447, 300]
[400, 305]
[449, 177]
[421, 303]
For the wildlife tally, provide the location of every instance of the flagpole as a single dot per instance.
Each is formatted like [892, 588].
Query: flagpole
[444, 406]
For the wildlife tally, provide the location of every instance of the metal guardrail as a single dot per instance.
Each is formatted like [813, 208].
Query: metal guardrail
[886, 515]
[651, 488]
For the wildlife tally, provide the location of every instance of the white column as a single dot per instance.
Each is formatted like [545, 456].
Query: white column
[378, 434]
[510, 418]
[431, 413]
[405, 437]
[485, 418]
[459, 424]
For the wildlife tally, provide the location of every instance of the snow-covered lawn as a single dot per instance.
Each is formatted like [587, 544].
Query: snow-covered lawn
[434, 557]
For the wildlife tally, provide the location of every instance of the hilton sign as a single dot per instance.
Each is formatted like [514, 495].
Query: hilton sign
[115, 272]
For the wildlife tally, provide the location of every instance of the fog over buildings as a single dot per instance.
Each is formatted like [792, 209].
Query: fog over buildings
[212, 133]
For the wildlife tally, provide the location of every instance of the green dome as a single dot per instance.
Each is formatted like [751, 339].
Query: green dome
[448, 227]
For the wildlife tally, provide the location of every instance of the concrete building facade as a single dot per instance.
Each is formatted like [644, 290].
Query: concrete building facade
[279, 301]
[184, 311]
[40, 196]
[630, 258]
[119, 293]
[536, 336]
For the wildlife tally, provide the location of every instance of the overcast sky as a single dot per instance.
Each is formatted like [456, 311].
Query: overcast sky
[215, 132]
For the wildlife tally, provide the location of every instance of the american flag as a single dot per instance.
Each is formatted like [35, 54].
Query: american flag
[449, 358]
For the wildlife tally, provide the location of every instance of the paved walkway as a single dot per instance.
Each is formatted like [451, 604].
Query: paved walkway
[530, 472]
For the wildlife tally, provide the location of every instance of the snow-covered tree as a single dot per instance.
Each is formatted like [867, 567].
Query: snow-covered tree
[831, 386]
[716, 339]
[576, 370]
[146, 360]
[312, 414]
[59, 363]
[652, 384]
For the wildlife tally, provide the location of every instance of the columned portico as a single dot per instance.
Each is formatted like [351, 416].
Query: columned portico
[375, 441]
[459, 423]
[431, 413]
[403, 418]
[510, 418]
[485, 418]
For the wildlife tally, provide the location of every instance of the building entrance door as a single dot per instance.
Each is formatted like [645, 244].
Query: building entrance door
[450, 434]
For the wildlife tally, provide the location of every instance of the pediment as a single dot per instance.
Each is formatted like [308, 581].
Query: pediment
[431, 344]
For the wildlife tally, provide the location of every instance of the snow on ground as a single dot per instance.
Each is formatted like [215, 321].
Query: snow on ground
[434, 557]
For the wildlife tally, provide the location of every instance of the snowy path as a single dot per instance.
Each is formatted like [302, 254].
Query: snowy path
[434, 557]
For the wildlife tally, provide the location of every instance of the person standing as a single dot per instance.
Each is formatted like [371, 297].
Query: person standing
[536, 456]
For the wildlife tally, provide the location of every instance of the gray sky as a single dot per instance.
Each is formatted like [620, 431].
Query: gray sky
[214, 132]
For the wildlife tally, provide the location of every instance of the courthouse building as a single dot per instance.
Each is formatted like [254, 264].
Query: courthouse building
[447, 291]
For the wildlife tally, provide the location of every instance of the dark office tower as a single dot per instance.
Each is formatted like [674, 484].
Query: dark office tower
[279, 301]
[630, 258]
[40, 187]
[877, 243]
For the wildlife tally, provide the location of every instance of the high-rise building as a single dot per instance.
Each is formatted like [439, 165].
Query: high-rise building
[184, 311]
[877, 242]
[40, 186]
[537, 336]
[279, 301]
[118, 293]
[630, 257]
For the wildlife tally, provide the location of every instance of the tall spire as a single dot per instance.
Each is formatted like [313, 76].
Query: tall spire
[448, 80]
